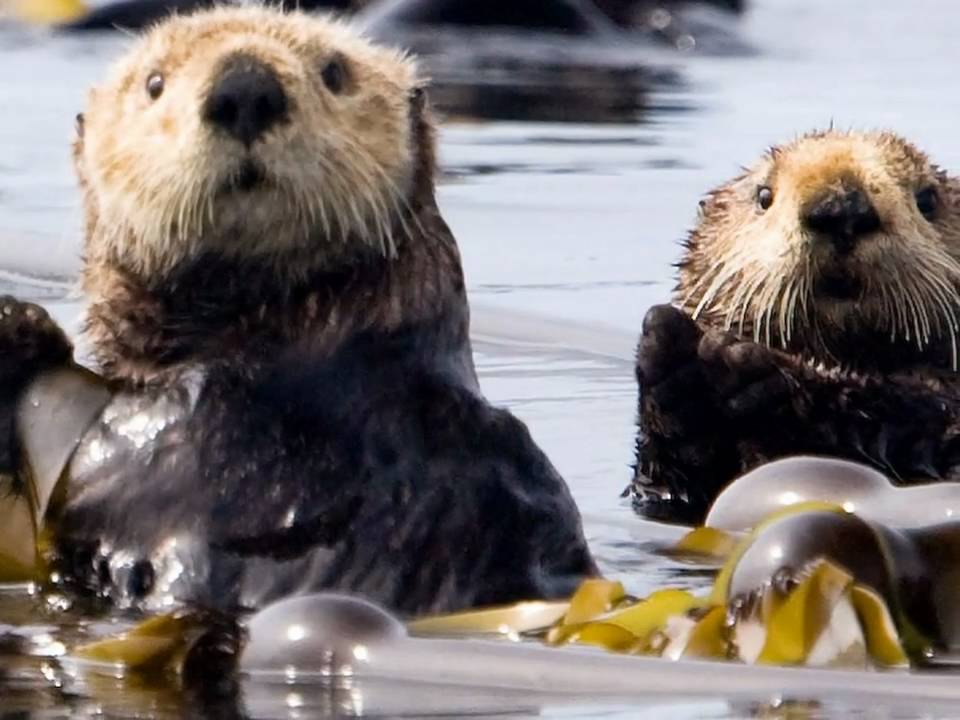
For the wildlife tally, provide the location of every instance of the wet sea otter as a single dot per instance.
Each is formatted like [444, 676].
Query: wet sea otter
[819, 308]
[279, 309]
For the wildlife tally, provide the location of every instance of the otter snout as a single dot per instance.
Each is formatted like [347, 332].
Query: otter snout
[843, 217]
[246, 100]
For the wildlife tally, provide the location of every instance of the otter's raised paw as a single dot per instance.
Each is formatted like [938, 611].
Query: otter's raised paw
[30, 340]
[669, 340]
[669, 372]
[746, 377]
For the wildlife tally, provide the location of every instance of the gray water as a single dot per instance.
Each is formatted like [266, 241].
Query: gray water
[567, 232]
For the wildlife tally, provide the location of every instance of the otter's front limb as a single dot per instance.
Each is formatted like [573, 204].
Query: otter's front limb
[713, 406]
[684, 452]
[30, 342]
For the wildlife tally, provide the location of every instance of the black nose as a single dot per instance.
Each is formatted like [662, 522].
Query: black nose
[843, 217]
[246, 100]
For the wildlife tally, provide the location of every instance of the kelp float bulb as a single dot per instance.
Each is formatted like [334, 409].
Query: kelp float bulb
[324, 634]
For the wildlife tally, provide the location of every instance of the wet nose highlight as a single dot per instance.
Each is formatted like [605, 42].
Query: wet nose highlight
[843, 216]
[246, 100]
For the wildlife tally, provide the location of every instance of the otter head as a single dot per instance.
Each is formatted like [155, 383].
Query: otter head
[841, 246]
[247, 133]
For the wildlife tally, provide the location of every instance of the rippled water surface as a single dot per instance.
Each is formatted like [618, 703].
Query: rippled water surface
[568, 231]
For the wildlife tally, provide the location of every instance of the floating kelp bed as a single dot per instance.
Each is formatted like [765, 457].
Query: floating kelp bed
[340, 655]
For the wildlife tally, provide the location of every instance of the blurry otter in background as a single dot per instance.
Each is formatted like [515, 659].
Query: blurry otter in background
[577, 17]
[136, 14]
[580, 17]
[817, 311]
[501, 60]
[80, 15]
[493, 59]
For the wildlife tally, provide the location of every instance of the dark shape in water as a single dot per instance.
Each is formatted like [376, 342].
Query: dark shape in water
[135, 14]
[579, 17]
[552, 94]
[504, 60]
[506, 73]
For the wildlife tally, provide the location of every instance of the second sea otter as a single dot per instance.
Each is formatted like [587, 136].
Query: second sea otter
[816, 312]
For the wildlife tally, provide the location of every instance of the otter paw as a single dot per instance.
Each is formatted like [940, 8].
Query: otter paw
[30, 340]
[669, 341]
[746, 376]
[669, 373]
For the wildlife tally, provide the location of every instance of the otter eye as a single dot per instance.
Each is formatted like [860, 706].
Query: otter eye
[334, 76]
[764, 197]
[927, 202]
[155, 85]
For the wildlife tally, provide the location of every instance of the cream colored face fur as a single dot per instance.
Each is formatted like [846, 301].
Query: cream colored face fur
[758, 270]
[157, 177]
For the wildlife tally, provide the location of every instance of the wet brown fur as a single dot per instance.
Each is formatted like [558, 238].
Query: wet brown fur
[754, 363]
[754, 272]
[142, 328]
[296, 407]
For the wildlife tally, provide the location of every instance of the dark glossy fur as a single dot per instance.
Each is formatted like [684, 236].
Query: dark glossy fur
[713, 406]
[321, 432]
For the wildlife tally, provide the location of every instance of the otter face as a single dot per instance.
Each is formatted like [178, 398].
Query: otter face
[828, 241]
[250, 133]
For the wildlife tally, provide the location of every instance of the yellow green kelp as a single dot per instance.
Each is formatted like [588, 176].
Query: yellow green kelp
[56, 410]
[816, 613]
[155, 644]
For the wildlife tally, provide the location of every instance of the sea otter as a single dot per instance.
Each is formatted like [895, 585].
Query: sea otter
[279, 310]
[817, 311]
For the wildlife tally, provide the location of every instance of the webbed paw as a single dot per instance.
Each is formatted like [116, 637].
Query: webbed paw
[683, 451]
[30, 341]
[669, 372]
[747, 378]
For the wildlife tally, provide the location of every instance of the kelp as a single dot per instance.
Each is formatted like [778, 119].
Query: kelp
[816, 614]
[54, 413]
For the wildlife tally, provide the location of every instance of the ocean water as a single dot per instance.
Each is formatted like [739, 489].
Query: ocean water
[568, 217]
